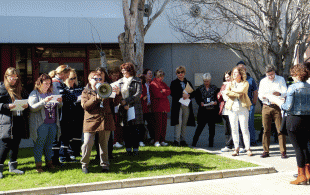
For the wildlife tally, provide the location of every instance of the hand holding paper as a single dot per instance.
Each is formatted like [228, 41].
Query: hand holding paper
[188, 89]
[20, 105]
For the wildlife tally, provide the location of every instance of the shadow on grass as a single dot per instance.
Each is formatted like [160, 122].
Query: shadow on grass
[126, 164]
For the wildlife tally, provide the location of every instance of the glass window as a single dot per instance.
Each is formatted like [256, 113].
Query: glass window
[24, 66]
[113, 58]
[45, 52]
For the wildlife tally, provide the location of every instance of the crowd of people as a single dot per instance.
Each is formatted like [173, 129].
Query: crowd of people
[65, 119]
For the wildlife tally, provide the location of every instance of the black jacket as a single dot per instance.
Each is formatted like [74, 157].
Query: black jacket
[177, 93]
[72, 110]
[6, 116]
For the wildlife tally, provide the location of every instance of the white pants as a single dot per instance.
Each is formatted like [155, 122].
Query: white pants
[241, 116]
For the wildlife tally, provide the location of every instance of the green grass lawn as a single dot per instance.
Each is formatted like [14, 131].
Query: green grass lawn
[152, 161]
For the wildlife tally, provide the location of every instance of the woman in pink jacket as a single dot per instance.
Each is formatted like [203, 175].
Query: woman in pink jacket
[160, 107]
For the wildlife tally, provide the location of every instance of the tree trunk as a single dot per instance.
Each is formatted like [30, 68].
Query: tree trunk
[140, 39]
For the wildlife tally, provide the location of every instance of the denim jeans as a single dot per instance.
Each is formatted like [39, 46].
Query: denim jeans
[251, 124]
[46, 136]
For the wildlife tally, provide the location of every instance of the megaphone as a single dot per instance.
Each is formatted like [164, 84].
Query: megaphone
[104, 90]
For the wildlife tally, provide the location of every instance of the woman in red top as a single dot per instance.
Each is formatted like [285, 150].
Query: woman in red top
[160, 107]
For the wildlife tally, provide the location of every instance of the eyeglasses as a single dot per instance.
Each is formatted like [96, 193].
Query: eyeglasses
[182, 72]
[72, 78]
[97, 79]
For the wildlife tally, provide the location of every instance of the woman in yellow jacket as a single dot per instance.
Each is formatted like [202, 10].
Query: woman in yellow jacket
[239, 105]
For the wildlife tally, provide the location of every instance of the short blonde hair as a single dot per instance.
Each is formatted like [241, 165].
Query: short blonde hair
[179, 69]
[72, 72]
[241, 72]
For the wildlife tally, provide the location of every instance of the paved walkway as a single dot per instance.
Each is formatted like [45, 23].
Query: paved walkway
[276, 183]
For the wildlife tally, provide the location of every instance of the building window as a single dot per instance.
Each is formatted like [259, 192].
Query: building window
[113, 58]
[24, 66]
[45, 52]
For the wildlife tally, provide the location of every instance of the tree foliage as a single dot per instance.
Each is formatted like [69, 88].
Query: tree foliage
[261, 32]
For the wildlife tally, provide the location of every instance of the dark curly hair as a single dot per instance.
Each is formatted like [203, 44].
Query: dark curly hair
[300, 71]
[129, 67]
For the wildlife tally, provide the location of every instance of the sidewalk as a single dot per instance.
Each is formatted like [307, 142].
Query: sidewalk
[231, 182]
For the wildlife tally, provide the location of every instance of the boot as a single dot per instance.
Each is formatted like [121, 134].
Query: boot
[39, 167]
[301, 179]
[13, 166]
[1, 171]
[49, 165]
[307, 171]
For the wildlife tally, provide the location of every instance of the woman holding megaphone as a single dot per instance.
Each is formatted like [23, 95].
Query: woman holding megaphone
[98, 118]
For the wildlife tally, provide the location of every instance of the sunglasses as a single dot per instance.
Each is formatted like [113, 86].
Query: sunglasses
[73, 78]
[97, 79]
[182, 72]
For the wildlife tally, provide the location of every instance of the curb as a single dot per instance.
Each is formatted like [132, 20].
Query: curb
[145, 181]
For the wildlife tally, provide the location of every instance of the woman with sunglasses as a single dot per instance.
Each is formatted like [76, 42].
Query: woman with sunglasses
[71, 123]
[181, 115]
[98, 118]
[13, 123]
[44, 123]
[58, 77]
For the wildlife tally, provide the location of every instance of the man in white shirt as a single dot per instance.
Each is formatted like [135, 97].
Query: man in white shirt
[272, 91]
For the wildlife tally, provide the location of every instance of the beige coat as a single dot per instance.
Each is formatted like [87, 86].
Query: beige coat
[241, 92]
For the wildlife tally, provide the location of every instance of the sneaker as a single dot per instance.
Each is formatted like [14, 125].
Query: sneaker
[117, 145]
[249, 152]
[226, 149]
[156, 144]
[85, 170]
[164, 144]
[141, 144]
[242, 150]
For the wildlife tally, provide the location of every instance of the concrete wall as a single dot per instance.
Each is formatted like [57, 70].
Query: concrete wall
[196, 58]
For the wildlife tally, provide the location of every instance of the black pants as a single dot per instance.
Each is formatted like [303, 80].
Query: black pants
[199, 130]
[10, 146]
[298, 132]
[149, 118]
[229, 141]
[131, 137]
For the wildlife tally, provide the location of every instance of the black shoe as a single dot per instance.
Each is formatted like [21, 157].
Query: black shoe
[183, 143]
[85, 170]
[104, 170]
[176, 143]
[283, 155]
[265, 154]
